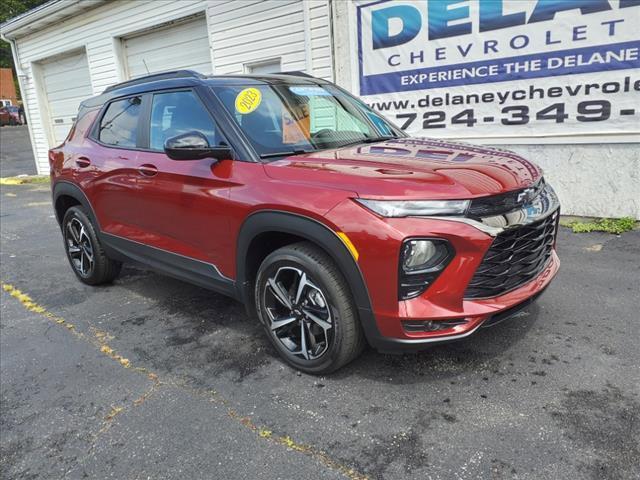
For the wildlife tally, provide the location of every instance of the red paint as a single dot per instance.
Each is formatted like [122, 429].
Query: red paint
[196, 209]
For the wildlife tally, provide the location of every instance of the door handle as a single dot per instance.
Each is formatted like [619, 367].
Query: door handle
[83, 162]
[148, 170]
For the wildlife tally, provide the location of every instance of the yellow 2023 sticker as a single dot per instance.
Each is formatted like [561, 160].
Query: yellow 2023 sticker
[248, 100]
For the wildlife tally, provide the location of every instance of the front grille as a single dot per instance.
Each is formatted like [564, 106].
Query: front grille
[515, 257]
[504, 202]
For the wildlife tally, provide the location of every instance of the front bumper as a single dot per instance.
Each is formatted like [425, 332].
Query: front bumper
[445, 303]
[478, 313]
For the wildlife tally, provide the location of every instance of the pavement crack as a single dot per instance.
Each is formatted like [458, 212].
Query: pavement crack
[100, 339]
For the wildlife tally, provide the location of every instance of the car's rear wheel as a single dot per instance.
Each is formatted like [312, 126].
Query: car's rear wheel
[84, 251]
[307, 309]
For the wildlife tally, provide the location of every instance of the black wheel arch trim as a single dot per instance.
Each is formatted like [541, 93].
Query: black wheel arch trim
[63, 187]
[265, 221]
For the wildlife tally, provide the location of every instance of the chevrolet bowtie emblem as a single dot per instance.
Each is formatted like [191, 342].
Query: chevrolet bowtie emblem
[526, 195]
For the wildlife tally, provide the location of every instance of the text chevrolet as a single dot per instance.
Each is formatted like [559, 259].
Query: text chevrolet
[292, 196]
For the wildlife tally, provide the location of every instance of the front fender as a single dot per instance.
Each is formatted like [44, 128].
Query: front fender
[313, 231]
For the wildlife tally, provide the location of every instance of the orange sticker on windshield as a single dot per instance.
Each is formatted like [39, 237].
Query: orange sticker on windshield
[296, 130]
[248, 100]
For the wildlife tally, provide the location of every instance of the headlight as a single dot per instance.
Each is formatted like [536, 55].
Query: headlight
[421, 261]
[415, 208]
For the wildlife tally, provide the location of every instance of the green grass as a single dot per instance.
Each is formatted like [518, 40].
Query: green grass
[608, 225]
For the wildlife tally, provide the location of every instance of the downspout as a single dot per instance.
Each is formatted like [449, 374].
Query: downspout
[307, 38]
[333, 42]
[25, 105]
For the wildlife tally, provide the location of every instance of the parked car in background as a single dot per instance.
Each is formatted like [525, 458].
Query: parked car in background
[294, 197]
[12, 115]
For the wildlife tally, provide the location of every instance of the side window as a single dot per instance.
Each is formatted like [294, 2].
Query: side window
[119, 125]
[174, 113]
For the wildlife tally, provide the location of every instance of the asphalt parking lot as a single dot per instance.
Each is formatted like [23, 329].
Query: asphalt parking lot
[17, 156]
[154, 378]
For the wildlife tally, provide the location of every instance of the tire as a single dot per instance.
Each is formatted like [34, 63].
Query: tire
[84, 250]
[326, 321]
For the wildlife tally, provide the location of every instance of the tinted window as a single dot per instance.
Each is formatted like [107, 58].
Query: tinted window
[174, 113]
[287, 118]
[119, 125]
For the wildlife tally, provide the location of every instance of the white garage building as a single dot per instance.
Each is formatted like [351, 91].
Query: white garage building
[68, 50]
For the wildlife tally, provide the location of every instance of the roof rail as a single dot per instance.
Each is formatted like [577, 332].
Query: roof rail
[155, 77]
[297, 73]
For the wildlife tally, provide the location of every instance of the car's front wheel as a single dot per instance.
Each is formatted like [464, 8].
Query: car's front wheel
[307, 309]
[84, 251]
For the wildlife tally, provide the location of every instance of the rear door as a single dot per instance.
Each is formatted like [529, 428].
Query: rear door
[111, 168]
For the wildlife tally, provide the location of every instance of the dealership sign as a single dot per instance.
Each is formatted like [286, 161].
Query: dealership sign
[502, 68]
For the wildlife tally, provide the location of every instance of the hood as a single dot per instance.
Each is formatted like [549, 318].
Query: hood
[410, 168]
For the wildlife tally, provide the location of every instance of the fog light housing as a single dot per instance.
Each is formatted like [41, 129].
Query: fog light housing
[421, 255]
[425, 326]
[421, 261]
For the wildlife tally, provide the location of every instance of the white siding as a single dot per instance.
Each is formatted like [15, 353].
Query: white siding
[320, 36]
[255, 31]
[239, 32]
[184, 45]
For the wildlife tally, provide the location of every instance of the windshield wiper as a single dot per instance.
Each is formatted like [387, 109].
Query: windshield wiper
[284, 154]
[301, 151]
[378, 139]
[367, 140]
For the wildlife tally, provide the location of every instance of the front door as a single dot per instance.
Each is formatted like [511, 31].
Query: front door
[181, 204]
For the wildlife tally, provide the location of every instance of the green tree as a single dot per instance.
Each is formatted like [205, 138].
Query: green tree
[8, 10]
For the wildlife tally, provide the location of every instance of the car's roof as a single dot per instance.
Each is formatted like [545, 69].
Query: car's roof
[188, 78]
[293, 78]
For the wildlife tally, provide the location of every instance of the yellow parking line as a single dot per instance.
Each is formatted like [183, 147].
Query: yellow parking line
[100, 339]
[24, 180]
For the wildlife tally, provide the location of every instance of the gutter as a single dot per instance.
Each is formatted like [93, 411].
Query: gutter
[33, 15]
[41, 16]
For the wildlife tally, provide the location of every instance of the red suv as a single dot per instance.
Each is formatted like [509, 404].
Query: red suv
[292, 196]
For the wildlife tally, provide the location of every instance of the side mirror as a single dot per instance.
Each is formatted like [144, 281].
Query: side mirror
[194, 146]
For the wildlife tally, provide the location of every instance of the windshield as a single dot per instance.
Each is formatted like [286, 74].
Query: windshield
[285, 119]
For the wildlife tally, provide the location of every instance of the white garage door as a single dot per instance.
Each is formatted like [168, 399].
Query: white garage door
[179, 46]
[66, 83]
